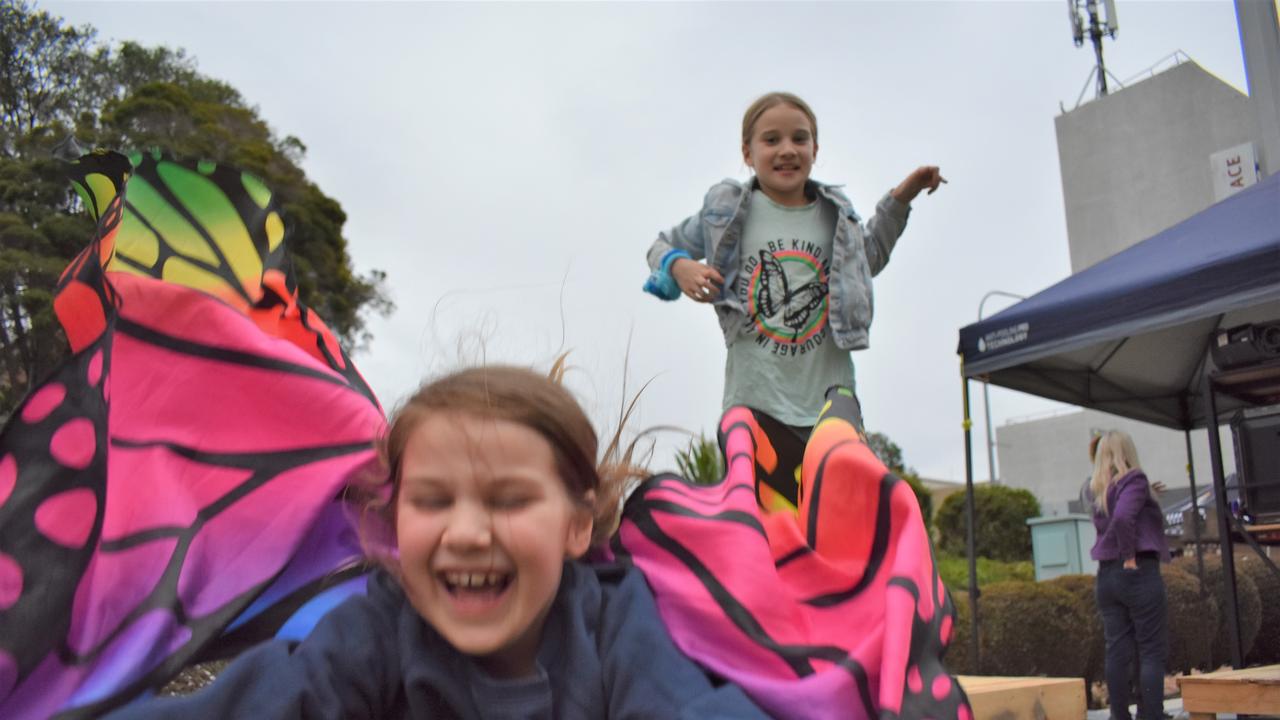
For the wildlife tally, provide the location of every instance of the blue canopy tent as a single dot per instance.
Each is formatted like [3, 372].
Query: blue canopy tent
[1130, 335]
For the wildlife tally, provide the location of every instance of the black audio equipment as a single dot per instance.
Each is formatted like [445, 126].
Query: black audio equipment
[1257, 442]
[1245, 345]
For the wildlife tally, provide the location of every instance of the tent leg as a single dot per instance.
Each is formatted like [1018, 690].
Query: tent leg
[1195, 514]
[969, 531]
[1224, 528]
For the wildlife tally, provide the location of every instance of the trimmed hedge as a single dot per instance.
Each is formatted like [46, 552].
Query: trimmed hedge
[1266, 647]
[1082, 591]
[1000, 530]
[1037, 628]
[1027, 629]
[1054, 627]
[1193, 621]
[1249, 602]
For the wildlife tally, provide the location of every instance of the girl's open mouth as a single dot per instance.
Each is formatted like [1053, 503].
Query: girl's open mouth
[475, 585]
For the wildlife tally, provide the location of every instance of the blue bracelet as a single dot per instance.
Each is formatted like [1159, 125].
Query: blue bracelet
[660, 282]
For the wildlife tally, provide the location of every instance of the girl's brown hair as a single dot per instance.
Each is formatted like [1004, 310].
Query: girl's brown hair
[537, 401]
[770, 100]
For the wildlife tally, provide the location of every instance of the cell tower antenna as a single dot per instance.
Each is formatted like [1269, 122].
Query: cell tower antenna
[1082, 11]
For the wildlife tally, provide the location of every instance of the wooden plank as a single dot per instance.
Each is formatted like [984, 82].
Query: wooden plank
[1267, 674]
[1251, 690]
[988, 683]
[1262, 528]
[1014, 698]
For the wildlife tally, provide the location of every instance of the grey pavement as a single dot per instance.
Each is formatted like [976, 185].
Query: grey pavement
[1172, 706]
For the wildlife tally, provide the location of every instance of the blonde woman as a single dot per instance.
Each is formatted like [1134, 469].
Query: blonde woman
[1130, 591]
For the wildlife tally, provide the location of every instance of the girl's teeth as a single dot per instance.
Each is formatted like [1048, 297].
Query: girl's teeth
[472, 580]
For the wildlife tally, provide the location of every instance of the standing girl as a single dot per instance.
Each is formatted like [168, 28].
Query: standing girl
[492, 491]
[787, 263]
[1130, 591]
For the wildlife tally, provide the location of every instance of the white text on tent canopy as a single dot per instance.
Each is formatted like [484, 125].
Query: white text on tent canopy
[1003, 337]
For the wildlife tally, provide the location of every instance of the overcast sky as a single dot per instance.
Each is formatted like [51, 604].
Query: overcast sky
[508, 165]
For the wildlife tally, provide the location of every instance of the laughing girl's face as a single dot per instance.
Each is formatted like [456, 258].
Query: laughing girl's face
[483, 525]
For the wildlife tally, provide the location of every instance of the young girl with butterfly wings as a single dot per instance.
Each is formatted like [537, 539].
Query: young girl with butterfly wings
[787, 264]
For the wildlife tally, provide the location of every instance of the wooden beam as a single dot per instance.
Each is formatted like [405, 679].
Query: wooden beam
[1024, 698]
[1251, 691]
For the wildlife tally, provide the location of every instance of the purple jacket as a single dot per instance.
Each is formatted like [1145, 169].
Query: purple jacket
[1135, 523]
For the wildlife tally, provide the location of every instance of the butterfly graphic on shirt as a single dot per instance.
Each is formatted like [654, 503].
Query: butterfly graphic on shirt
[775, 295]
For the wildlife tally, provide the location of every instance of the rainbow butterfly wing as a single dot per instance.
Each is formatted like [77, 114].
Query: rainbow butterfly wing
[186, 460]
[833, 610]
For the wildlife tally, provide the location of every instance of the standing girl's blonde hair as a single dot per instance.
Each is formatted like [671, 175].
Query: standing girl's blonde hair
[1114, 457]
[771, 100]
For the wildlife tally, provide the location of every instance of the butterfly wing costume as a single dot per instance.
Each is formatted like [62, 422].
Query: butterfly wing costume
[186, 460]
[833, 610]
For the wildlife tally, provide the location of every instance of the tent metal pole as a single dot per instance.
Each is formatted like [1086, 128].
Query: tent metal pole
[1195, 513]
[1224, 527]
[969, 527]
[991, 443]
[986, 397]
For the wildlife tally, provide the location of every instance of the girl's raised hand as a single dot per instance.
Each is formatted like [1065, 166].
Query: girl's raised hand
[699, 281]
[925, 176]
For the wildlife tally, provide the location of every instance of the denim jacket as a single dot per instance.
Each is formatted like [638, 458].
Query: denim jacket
[857, 253]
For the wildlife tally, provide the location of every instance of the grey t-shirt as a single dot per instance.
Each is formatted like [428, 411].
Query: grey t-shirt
[784, 360]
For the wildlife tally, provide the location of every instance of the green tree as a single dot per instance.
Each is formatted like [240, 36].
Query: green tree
[700, 462]
[891, 455]
[1000, 522]
[58, 83]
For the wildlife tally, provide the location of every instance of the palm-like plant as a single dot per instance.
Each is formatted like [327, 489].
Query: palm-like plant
[700, 462]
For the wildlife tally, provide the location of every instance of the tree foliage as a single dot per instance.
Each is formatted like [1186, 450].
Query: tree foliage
[1000, 523]
[62, 92]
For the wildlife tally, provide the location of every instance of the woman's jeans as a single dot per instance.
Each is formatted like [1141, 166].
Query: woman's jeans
[1133, 608]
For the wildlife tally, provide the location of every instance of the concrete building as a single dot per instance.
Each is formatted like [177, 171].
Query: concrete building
[1049, 455]
[1133, 163]
[1138, 160]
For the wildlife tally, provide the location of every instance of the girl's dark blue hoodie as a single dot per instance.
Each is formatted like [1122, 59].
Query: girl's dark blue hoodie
[604, 654]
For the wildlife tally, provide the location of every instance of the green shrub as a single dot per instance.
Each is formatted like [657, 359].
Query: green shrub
[1081, 589]
[1000, 530]
[1266, 648]
[1250, 606]
[924, 498]
[957, 657]
[954, 570]
[1032, 629]
[1193, 621]
[891, 455]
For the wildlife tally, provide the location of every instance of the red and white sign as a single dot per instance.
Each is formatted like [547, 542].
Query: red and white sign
[1234, 169]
